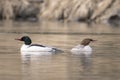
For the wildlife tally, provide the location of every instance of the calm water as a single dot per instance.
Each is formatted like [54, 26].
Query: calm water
[104, 63]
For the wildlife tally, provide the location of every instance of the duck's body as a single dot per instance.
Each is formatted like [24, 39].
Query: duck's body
[83, 47]
[28, 47]
[36, 48]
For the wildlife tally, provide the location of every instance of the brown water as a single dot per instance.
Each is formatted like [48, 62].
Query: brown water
[104, 63]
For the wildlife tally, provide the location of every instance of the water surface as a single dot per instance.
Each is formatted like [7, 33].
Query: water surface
[102, 65]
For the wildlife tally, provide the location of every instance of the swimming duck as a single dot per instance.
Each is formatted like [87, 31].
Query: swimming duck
[29, 47]
[83, 47]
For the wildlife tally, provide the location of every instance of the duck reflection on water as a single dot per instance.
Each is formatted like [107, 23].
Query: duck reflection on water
[27, 57]
[84, 51]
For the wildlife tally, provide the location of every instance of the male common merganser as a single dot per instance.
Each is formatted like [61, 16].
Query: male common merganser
[28, 47]
[83, 47]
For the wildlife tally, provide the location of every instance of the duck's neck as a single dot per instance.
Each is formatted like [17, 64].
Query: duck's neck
[82, 46]
[27, 42]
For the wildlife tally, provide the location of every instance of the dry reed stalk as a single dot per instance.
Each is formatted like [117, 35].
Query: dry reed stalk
[67, 9]
[7, 7]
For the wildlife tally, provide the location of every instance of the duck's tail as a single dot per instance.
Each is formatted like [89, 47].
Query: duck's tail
[56, 50]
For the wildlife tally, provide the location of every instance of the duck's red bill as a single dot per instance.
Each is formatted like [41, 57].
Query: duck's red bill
[18, 39]
[94, 40]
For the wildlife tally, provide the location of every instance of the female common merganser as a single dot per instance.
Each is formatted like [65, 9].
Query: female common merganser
[83, 47]
[28, 47]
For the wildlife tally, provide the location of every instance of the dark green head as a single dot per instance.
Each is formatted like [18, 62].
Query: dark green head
[26, 40]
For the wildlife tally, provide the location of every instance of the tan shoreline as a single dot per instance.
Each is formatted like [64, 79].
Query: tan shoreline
[66, 10]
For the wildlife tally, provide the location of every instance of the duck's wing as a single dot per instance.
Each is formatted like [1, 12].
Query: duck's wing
[53, 48]
[39, 45]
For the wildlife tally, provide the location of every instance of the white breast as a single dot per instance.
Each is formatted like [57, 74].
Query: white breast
[80, 49]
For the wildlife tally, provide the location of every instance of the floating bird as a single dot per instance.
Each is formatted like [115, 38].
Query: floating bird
[29, 47]
[83, 47]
